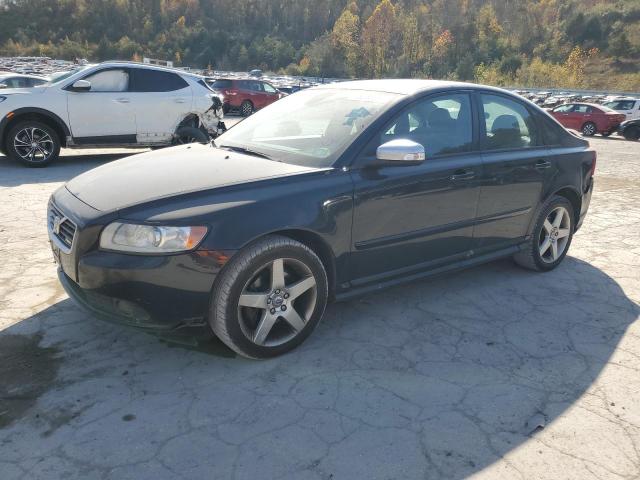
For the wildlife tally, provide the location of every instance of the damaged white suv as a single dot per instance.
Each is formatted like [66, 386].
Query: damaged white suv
[112, 104]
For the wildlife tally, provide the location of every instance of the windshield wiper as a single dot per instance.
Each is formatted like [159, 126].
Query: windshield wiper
[246, 151]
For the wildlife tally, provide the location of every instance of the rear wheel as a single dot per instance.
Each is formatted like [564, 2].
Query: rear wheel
[589, 129]
[185, 135]
[269, 297]
[33, 143]
[631, 133]
[551, 237]
[246, 108]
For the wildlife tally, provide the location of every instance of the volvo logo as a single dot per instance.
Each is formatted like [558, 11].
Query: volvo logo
[56, 222]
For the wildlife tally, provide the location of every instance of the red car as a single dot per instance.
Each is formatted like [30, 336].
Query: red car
[588, 118]
[245, 95]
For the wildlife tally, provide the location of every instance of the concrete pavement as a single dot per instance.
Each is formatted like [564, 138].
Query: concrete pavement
[493, 372]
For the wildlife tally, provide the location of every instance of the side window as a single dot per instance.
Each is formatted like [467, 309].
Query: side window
[268, 88]
[442, 125]
[222, 84]
[583, 109]
[109, 81]
[563, 108]
[508, 124]
[148, 80]
[244, 85]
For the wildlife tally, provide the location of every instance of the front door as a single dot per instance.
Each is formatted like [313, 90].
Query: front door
[104, 114]
[411, 217]
[515, 165]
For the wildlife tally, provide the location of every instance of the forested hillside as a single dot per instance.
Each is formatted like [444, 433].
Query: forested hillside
[569, 43]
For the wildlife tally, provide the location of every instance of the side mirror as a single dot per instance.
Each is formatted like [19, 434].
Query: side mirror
[401, 150]
[81, 86]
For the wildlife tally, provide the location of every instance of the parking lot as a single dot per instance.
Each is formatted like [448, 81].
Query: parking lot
[495, 371]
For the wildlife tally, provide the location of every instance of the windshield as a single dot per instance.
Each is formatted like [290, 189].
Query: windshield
[311, 128]
[60, 76]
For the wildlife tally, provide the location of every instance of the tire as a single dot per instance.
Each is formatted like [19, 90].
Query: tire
[246, 108]
[589, 129]
[22, 137]
[186, 135]
[245, 297]
[606, 134]
[631, 133]
[540, 256]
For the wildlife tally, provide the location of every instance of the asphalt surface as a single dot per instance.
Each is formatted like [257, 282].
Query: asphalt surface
[494, 372]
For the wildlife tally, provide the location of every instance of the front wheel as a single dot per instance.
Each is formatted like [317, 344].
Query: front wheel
[269, 297]
[551, 237]
[246, 108]
[33, 143]
[589, 129]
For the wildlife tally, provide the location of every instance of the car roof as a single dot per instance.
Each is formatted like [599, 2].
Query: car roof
[122, 63]
[406, 86]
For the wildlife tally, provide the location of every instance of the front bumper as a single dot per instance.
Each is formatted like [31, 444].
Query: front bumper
[161, 292]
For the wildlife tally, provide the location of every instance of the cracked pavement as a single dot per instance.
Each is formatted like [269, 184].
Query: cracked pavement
[493, 372]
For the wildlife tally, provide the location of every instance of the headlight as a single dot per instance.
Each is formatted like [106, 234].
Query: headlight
[130, 237]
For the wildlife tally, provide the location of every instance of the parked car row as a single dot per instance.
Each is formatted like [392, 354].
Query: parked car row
[112, 104]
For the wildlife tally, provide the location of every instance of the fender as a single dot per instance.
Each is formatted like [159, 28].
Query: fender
[544, 201]
[36, 111]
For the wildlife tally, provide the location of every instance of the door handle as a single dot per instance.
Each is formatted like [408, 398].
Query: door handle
[542, 164]
[179, 100]
[462, 175]
[122, 100]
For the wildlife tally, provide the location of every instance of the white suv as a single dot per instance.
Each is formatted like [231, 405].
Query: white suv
[629, 106]
[112, 104]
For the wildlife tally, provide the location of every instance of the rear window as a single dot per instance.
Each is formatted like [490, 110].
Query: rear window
[146, 80]
[220, 84]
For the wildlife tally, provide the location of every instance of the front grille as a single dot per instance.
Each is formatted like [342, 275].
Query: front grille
[60, 227]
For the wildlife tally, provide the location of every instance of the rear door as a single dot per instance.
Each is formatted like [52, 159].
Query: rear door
[104, 114]
[515, 166]
[161, 100]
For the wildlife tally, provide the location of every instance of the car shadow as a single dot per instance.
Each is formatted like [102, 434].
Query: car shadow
[448, 374]
[67, 166]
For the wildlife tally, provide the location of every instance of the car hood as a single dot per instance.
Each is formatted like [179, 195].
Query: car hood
[169, 172]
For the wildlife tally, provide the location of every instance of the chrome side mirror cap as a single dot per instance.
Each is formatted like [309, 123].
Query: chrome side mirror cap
[401, 150]
[81, 86]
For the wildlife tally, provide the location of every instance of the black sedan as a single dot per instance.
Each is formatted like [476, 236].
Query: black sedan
[630, 129]
[328, 193]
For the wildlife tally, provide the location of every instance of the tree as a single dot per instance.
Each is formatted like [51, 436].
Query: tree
[620, 46]
[380, 37]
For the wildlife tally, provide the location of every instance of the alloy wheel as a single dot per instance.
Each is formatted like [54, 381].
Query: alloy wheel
[247, 109]
[185, 139]
[589, 129]
[554, 235]
[277, 302]
[33, 145]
